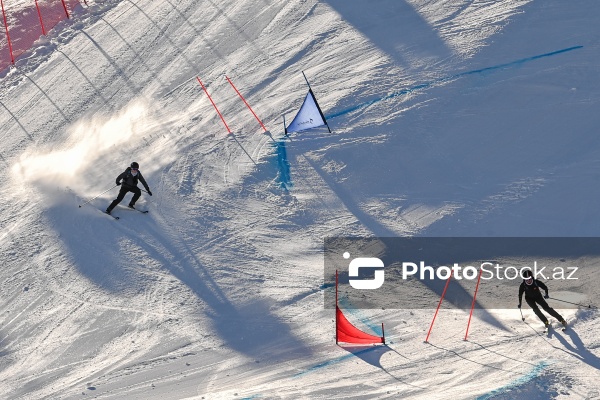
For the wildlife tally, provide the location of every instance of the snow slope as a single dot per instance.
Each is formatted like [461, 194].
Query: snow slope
[449, 118]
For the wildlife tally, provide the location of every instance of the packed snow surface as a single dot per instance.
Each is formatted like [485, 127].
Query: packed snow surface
[448, 117]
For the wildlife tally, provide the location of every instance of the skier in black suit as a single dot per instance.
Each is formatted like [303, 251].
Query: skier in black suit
[533, 296]
[130, 179]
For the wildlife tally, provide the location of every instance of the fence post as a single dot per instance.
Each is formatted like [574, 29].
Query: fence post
[65, 7]
[40, 15]
[12, 58]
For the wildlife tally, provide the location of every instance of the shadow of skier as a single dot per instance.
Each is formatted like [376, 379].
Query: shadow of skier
[578, 349]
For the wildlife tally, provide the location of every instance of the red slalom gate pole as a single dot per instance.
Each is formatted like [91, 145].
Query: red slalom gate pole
[214, 105]
[12, 58]
[40, 15]
[336, 307]
[65, 7]
[246, 103]
[473, 304]
[438, 307]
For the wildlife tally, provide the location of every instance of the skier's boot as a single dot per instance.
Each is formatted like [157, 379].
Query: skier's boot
[131, 206]
[547, 324]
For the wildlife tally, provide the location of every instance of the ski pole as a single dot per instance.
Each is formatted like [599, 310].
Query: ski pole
[522, 317]
[577, 304]
[97, 196]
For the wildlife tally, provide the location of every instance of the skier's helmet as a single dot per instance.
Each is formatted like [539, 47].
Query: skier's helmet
[528, 276]
[135, 165]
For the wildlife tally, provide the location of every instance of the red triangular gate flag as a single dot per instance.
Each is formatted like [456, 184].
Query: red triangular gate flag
[348, 333]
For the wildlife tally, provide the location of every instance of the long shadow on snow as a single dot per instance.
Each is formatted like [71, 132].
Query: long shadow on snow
[395, 27]
[459, 297]
[461, 251]
[3, 352]
[163, 34]
[578, 349]
[9, 128]
[95, 243]
[250, 329]
[428, 166]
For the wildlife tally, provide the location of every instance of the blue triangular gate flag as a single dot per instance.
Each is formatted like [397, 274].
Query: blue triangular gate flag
[309, 115]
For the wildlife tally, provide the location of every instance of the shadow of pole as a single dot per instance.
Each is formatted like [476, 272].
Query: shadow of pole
[46, 96]
[500, 354]
[17, 121]
[164, 34]
[473, 361]
[96, 90]
[238, 29]
[119, 70]
[242, 147]
[154, 75]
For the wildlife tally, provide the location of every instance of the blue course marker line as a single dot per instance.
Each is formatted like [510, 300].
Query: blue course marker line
[283, 166]
[447, 78]
[534, 373]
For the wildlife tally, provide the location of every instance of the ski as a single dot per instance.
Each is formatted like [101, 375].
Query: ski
[546, 329]
[110, 215]
[549, 327]
[135, 209]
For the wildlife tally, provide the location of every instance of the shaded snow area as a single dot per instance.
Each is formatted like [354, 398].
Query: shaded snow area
[448, 117]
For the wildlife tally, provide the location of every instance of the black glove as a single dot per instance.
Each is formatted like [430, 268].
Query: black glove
[546, 296]
[118, 183]
[519, 306]
[149, 192]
